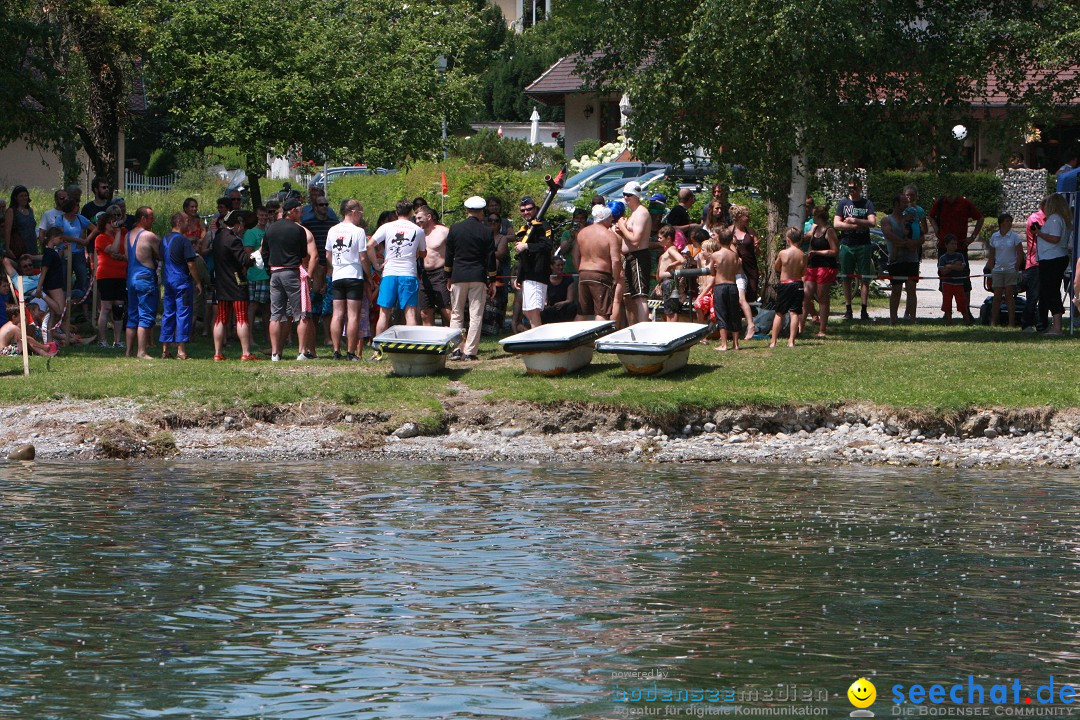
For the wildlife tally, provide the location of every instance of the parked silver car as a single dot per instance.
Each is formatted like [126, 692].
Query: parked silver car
[331, 174]
[600, 175]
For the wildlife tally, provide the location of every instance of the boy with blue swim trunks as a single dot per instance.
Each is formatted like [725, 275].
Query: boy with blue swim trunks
[405, 243]
[143, 254]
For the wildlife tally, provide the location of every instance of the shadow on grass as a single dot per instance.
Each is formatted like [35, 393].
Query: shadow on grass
[689, 372]
[931, 331]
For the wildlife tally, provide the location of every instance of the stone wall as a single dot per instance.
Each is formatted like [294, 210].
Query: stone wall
[1021, 191]
[833, 182]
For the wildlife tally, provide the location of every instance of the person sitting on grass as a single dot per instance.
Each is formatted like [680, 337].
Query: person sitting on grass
[670, 261]
[953, 271]
[726, 265]
[11, 333]
[562, 296]
[30, 278]
[791, 264]
[1006, 253]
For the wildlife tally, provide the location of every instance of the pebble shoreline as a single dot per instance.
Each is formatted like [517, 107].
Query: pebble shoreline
[71, 430]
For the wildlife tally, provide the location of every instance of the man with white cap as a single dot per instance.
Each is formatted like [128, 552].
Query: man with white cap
[637, 263]
[470, 272]
[598, 258]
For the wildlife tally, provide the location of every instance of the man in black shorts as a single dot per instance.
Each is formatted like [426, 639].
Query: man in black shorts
[637, 265]
[434, 293]
[790, 263]
[726, 265]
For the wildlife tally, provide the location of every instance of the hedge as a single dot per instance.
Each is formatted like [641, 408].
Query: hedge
[381, 192]
[981, 188]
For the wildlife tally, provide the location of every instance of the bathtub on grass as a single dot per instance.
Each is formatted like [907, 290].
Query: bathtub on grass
[417, 349]
[653, 348]
[557, 348]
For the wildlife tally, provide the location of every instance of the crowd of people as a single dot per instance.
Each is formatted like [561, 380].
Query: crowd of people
[303, 269]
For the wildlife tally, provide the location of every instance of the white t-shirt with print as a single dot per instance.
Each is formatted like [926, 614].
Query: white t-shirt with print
[346, 243]
[1005, 251]
[403, 241]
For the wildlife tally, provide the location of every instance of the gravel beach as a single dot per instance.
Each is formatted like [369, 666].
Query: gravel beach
[476, 431]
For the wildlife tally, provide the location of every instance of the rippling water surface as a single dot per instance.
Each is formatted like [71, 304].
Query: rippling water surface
[211, 590]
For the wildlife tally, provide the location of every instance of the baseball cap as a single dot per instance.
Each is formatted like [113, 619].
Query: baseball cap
[632, 188]
[600, 213]
[475, 203]
[527, 200]
[291, 204]
[658, 197]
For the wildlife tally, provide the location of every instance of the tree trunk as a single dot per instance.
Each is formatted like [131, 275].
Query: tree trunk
[773, 230]
[91, 34]
[69, 159]
[797, 198]
[256, 170]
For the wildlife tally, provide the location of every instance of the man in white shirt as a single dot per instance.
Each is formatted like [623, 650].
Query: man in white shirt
[404, 244]
[51, 218]
[346, 254]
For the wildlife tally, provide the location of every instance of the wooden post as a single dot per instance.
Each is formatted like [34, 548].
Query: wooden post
[22, 326]
[67, 289]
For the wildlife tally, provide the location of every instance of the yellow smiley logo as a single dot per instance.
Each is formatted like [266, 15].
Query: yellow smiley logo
[862, 693]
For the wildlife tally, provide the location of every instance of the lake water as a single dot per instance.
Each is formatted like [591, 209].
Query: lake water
[216, 590]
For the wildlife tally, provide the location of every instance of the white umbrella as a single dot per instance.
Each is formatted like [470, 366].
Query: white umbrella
[534, 131]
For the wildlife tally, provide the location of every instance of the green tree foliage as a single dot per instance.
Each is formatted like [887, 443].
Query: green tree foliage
[843, 82]
[487, 148]
[352, 78]
[30, 99]
[523, 59]
[525, 56]
[840, 83]
[71, 66]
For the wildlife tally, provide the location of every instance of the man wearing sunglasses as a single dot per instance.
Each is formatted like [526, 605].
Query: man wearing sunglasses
[322, 305]
[534, 262]
[633, 229]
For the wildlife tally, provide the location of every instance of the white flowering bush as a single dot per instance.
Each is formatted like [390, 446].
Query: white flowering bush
[605, 153]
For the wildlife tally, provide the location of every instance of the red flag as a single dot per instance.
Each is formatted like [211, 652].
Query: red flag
[445, 187]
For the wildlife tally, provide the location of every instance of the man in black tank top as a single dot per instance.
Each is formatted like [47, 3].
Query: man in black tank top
[287, 248]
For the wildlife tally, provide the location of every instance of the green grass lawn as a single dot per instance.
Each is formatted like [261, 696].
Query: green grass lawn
[928, 367]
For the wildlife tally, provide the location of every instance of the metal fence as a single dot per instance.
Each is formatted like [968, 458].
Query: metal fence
[142, 183]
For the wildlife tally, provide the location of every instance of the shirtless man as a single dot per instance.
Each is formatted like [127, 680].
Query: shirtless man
[726, 265]
[791, 264]
[598, 258]
[434, 295]
[637, 264]
[143, 253]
